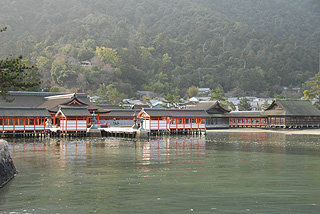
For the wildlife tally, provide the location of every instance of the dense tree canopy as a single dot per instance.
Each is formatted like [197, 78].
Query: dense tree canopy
[16, 74]
[247, 47]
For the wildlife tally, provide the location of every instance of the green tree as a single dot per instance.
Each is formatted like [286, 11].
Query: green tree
[16, 73]
[265, 105]
[109, 56]
[217, 94]
[244, 105]
[62, 72]
[193, 91]
[172, 99]
[109, 94]
[313, 89]
[85, 54]
[228, 105]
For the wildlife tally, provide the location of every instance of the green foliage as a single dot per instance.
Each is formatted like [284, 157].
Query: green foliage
[244, 105]
[62, 72]
[17, 74]
[193, 91]
[280, 96]
[218, 94]
[255, 46]
[108, 94]
[228, 105]
[265, 105]
[171, 100]
[85, 54]
[108, 56]
[312, 87]
[55, 89]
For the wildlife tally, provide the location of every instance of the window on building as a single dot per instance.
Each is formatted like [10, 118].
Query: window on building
[31, 121]
[1, 121]
[194, 120]
[21, 121]
[11, 122]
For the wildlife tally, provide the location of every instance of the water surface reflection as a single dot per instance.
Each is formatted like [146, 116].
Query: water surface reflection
[220, 173]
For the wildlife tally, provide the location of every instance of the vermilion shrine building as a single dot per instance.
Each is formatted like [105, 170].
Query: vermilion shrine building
[34, 111]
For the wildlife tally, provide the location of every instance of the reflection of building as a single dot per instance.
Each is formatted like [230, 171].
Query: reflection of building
[168, 150]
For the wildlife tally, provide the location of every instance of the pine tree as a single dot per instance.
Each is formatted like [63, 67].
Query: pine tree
[244, 105]
[16, 73]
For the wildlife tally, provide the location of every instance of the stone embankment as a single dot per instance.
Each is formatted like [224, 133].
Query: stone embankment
[7, 168]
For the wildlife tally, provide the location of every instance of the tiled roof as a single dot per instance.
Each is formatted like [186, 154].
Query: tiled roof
[52, 101]
[75, 111]
[292, 108]
[122, 113]
[176, 112]
[23, 112]
[211, 107]
[245, 114]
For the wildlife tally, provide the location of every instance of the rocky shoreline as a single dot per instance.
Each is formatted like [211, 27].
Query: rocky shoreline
[7, 168]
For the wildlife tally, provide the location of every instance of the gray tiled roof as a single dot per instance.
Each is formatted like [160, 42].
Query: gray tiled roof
[49, 100]
[75, 111]
[23, 112]
[245, 114]
[122, 113]
[176, 112]
[292, 108]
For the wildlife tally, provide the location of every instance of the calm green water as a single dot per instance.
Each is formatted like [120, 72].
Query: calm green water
[219, 173]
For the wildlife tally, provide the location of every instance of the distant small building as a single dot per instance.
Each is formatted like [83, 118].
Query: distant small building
[199, 99]
[85, 64]
[145, 94]
[204, 91]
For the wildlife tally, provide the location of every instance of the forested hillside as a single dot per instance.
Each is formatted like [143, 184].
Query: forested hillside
[248, 47]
